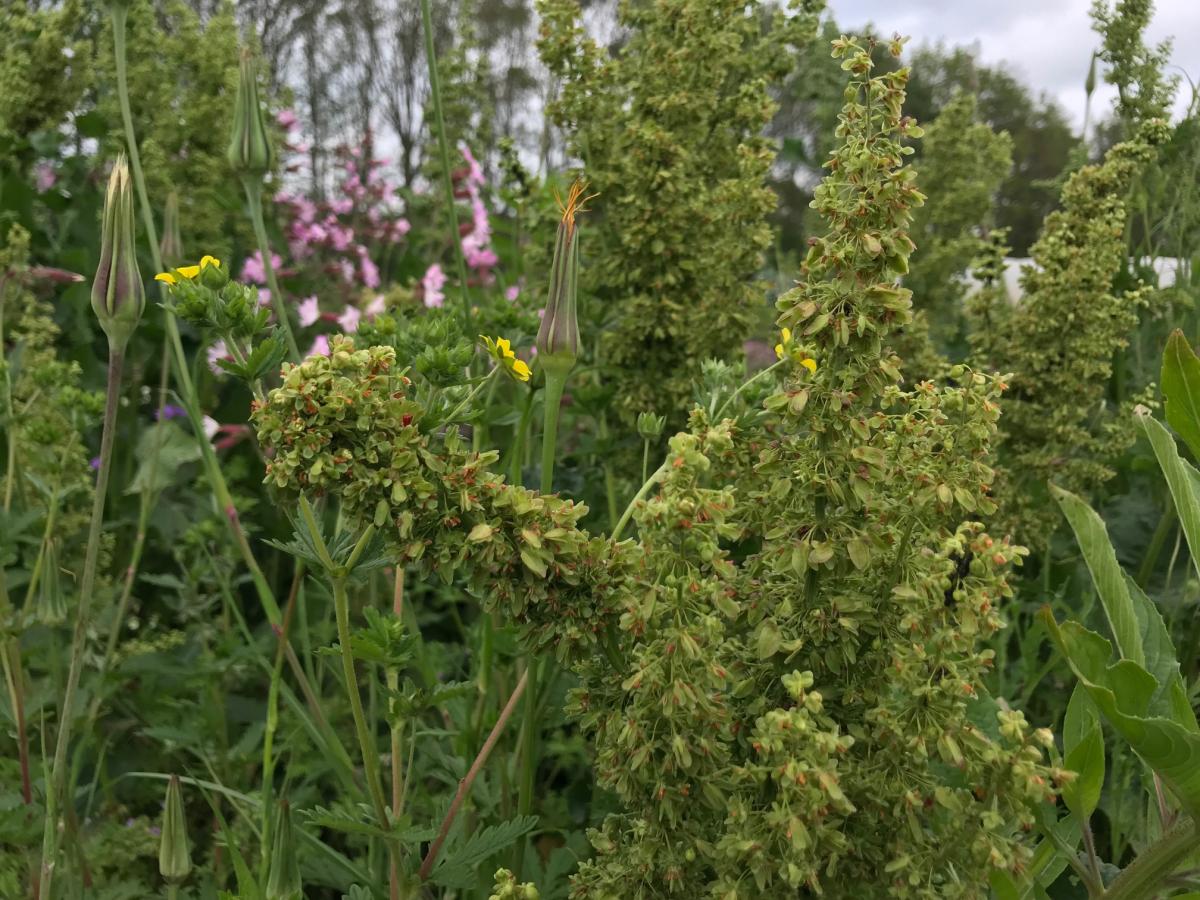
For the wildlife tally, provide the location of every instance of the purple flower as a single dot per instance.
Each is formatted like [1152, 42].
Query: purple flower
[94, 462]
[320, 346]
[349, 319]
[44, 177]
[370, 272]
[252, 268]
[512, 292]
[287, 119]
[432, 283]
[169, 411]
[474, 170]
[376, 307]
[264, 297]
[310, 311]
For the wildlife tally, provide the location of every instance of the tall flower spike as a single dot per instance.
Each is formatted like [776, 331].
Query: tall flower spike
[558, 338]
[250, 150]
[118, 295]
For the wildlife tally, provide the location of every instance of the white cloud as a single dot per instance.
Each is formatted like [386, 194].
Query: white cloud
[1047, 43]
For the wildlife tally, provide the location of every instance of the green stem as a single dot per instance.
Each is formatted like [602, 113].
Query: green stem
[555, 384]
[370, 755]
[187, 388]
[645, 460]
[1153, 866]
[58, 771]
[435, 92]
[253, 186]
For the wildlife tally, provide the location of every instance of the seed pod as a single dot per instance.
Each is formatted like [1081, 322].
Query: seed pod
[558, 338]
[249, 144]
[174, 857]
[171, 246]
[650, 426]
[283, 880]
[118, 295]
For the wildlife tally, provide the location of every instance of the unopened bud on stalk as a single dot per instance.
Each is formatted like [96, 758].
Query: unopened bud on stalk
[1089, 85]
[249, 145]
[558, 338]
[118, 295]
[171, 247]
[283, 881]
[174, 857]
[650, 426]
[52, 602]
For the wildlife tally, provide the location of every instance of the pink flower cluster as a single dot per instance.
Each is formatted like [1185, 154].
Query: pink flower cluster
[342, 229]
[478, 235]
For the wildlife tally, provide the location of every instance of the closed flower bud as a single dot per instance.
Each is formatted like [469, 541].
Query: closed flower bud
[249, 145]
[650, 426]
[283, 880]
[1089, 84]
[171, 247]
[558, 338]
[174, 857]
[118, 295]
[52, 602]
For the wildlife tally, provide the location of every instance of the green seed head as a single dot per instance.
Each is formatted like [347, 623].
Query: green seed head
[174, 857]
[650, 426]
[558, 338]
[249, 145]
[118, 295]
[52, 601]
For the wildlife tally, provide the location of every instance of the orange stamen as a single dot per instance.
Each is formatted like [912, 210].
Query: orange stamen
[574, 202]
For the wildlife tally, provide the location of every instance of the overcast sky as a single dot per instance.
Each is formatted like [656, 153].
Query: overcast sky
[1048, 43]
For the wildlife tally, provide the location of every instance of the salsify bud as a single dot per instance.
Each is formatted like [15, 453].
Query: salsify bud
[558, 338]
[118, 295]
[174, 857]
[52, 601]
[283, 880]
[171, 247]
[249, 145]
[1089, 83]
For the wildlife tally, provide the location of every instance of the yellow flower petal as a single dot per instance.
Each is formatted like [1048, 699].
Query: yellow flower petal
[503, 345]
[787, 335]
[165, 276]
[209, 261]
[779, 351]
[810, 364]
[521, 370]
[188, 271]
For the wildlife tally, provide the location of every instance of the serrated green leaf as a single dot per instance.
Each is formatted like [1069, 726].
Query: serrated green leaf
[457, 867]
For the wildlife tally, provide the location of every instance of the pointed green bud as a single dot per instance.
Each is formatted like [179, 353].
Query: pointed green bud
[174, 857]
[1090, 84]
[52, 601]
[171, 247]
[650, 426]
[558, 338]
[283, 880]
[118, 294]
[249, 144]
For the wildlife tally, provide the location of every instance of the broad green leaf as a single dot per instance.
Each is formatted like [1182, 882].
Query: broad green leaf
[1086, 760]
[1123, 692]
[1181, 388]
[1083, 749]
[1181, 481]
[1106, 572]
[1171, 699]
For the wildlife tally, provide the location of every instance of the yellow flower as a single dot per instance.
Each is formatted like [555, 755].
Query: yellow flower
[786, 334]
[500, 349]
[188, 272]
[810, 364]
